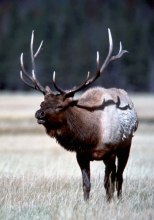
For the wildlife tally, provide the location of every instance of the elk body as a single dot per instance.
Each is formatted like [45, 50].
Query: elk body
[97, 126]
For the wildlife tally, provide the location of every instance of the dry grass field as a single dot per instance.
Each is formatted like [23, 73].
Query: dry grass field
[40, 180]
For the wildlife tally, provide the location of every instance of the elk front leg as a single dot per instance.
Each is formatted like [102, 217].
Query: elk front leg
[84, 164]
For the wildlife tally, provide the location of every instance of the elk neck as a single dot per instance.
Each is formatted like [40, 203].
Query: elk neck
[78, 132]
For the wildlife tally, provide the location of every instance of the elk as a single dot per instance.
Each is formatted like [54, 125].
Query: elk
[99, 125]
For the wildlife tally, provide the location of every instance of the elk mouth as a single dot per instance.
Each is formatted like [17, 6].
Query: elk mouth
[41, 121]
[40, 116]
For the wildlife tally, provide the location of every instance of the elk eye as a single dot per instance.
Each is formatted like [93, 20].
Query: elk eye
[59, 107]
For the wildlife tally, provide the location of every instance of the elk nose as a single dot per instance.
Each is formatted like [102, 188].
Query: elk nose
[39, 114]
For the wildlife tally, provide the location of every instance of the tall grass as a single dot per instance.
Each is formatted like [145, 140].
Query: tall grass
[40, 180]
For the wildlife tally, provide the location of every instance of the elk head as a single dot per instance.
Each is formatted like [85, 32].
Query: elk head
[52, 109]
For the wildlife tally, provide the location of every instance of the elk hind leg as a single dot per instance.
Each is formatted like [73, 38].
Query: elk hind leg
[122, 155]
[84, 164]
[110, 174]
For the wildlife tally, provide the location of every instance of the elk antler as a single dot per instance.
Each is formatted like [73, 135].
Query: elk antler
[99, 71]
[32, 78]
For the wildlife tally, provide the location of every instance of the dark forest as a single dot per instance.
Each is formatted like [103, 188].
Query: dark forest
[73, 31]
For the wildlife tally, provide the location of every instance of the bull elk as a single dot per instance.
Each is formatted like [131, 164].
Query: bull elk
[97, 126]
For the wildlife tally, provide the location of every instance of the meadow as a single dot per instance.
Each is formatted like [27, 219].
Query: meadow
[40, 180]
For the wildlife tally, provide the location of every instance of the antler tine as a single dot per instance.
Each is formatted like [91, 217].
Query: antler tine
[32, 86]
[97, 60]
[31, 50]
[26, 74]
[23, 68]
[106, 62]
[121, 52]
[90, 81]
[56, 87]
[39, 50]
[33, 57]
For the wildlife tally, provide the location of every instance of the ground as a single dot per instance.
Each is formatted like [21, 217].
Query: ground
[40, 180]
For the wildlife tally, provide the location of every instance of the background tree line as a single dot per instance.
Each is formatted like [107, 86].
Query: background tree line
[73, 31]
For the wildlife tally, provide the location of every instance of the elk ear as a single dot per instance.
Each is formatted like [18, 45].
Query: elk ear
[47, 88]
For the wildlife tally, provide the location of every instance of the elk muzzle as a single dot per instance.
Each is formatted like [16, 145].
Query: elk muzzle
[40, 116]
